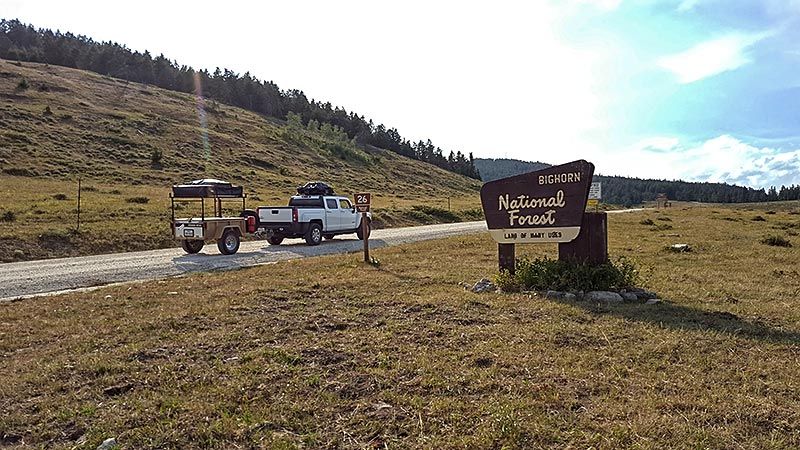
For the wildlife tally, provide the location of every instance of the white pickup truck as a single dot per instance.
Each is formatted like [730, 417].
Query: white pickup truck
[311, 217]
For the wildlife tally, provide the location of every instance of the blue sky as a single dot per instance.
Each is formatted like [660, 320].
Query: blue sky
[703, 90]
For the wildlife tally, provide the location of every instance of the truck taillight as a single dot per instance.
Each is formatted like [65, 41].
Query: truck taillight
[294, 215]
[251, 224]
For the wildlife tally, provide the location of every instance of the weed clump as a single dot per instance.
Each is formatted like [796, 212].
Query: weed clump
[8, 216]
[139, 200]
[776, 241]
[156, 157]
[23, 84]
[758, 219]
[60, 197]
[647, 222]
[661, 227]
[543, 274]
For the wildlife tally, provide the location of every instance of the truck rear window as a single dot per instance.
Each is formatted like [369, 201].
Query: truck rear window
[310, 202]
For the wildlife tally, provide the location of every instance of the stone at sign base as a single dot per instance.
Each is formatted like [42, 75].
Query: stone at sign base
[603, 296]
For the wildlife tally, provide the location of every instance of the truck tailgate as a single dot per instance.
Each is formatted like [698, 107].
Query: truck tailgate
[274, 214]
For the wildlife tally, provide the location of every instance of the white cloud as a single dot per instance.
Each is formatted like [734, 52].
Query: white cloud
[712, 57]
[687, 5]
[608, 5]
[723, 159]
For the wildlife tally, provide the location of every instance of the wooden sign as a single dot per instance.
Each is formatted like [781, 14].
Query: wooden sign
[542, 206]
[363, 199]
[362, 208]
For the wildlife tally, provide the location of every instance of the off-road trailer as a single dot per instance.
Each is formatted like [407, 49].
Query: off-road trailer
[194, 232]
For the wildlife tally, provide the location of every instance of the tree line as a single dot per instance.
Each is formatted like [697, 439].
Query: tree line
[22, 42]
[633, 191]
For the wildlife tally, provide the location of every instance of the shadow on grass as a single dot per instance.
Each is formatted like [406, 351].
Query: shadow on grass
[210, 259]
[688, 318]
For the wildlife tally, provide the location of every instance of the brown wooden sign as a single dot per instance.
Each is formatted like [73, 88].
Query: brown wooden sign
[542, 206]
[362, 208]
[363, 199]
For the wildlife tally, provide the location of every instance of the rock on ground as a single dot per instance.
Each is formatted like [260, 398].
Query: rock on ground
[485, 285]
[108, 444]
[603, 296]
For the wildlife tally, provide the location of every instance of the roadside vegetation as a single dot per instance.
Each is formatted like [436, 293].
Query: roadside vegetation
[332, 353]
[130, 142]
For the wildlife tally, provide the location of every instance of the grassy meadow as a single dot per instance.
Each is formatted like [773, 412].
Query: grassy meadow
[332, 353]
[129, 141]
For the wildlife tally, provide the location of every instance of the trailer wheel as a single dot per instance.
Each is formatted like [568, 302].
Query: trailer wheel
[192, 247]
[229, 243]
[329, 236]
[314, 234]
[275, 239]
[360, 230]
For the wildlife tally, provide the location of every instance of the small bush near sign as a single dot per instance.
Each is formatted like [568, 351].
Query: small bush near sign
[543, 274]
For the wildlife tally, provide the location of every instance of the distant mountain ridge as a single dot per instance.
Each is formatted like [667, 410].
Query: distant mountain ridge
[633, 191]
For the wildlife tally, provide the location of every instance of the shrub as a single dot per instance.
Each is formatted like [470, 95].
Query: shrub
[661, 227]
[115, 192]
[140, 200]
[60, 196]
[664, 219]
[776, 241]
[542, 274]
[47, 111]
[23, 84]
[758, 219]
[156, 156]
[8, 216]
[647, 222]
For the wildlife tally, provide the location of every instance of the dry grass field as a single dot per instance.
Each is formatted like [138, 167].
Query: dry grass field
[332, 353]
[69, 124]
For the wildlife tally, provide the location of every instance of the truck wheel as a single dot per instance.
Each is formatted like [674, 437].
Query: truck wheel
[360, 231]
[192, 247]
[275, 239]
[229, 243]
[329, 236]
[314, 234]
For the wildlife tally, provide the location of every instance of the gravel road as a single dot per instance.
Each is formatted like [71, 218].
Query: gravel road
[31, 278]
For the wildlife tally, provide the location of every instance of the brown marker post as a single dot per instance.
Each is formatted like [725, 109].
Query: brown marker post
[363, 201]
[365, 233]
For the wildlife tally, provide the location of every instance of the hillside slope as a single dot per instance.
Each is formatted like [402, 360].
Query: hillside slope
[128, 140]
[101, 127]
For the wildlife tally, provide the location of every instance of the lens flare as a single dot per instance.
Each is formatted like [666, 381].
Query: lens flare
[201, 115]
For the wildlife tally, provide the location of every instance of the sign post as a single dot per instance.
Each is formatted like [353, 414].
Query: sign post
[543, 206]
[362, 206]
